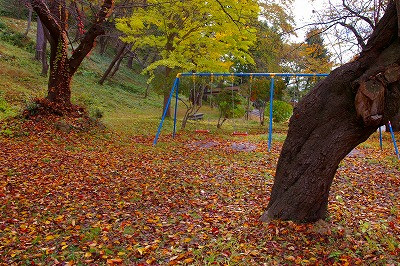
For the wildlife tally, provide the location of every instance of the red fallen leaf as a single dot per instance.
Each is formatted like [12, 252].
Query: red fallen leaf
[391, 225]
[215, 230]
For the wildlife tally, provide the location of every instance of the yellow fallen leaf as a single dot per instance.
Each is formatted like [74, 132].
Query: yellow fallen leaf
[151, 260]
[88, 254]
[64, 247]
[188, 260]
[141, 250]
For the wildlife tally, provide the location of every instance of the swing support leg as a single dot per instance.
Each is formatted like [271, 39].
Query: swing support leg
[394, 140]
[174, 87]
[271, 105]
[176, 105]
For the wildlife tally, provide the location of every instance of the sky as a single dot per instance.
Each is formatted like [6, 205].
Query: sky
[302, 10]
[303, 13]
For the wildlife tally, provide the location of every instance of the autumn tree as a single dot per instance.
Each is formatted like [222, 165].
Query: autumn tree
[54, 17]
[339, 113]
[192, 35]
[260, 92]
[230, 105]
[310, 56]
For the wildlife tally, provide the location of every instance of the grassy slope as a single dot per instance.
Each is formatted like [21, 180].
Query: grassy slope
[120, 99]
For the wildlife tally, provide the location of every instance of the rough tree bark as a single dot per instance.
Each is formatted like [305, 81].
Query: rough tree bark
[62, 68]
[339, 113]
[395, 121]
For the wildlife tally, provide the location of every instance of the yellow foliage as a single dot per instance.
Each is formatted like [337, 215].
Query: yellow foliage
[194, 35]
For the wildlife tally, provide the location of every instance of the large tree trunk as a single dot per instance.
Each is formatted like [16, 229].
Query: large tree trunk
[59, 87]
[395, 121]
[339, 113]
[54, 18]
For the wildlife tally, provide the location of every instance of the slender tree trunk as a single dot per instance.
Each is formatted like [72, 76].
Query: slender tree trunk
[146, 93]
[339, 113]
[129, 63]
[117, 65]
[28, 26]
[110, 67]
[45, 65]
[262, 115]
[40, 39]
[103, 41]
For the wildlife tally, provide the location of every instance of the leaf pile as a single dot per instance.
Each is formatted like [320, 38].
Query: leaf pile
[95, 197]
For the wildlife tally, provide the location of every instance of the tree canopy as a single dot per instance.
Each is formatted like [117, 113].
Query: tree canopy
[194, 35]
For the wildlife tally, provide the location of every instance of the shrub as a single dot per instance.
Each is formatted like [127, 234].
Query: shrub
[281, 112]
[97, 113]
[16, 38]
[31, 108]
[3, 25]
[230, 105]
[6, 109]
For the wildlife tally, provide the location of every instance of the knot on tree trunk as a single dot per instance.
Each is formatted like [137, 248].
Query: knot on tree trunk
[370, 97]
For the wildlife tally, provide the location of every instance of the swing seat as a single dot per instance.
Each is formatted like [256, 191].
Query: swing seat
[237, 133]
[196, 116]
[204, 131]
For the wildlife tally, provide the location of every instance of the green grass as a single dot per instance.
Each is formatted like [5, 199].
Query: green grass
[119, 101]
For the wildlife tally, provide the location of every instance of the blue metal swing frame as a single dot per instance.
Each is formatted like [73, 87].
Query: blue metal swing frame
[175, 89]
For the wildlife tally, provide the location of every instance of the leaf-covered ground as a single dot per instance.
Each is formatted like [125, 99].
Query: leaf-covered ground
[88, 197]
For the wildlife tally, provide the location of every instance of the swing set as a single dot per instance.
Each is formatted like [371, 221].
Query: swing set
[272, 76]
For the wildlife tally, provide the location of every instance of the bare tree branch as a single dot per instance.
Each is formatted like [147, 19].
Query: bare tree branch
[357, 14]
[89, 38]
[360, 39]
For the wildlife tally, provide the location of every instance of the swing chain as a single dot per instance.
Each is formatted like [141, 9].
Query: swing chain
[314, 78]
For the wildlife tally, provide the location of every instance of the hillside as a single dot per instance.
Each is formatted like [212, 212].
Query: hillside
[120, 99]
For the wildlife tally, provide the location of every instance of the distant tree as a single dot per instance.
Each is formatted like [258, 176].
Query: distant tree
[260, 94]
[230, 105]
[310, 56]
[62, 67]
[193, 35]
